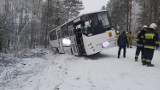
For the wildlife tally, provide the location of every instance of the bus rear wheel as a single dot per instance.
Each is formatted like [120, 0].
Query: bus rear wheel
[57, 51]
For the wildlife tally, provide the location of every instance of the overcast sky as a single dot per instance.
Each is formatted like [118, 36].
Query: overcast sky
[93, 5]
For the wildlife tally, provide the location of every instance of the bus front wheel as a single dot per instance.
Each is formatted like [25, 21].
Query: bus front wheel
[71, 51]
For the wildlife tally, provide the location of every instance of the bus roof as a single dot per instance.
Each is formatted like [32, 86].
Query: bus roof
[93, 12]
[78, 17]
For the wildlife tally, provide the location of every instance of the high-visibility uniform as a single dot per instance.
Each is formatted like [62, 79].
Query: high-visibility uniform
[140, 45]
[129, 38]
[151, 42]
[117, 36]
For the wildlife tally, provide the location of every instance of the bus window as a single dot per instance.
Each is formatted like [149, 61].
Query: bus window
[78, 29]
[59, 35]
[87, 28]
[53, 35]
[70, 30]
[78, 26]
[87, 24]
[64, 31]
[103, 18]
[93, 25]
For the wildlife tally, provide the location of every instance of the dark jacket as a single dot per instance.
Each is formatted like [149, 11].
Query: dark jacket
[122, 40]
[141, 38]
[151, 39]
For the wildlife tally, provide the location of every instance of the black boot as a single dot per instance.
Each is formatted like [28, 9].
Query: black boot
[144, 63]
[136, 58]
[150, 65]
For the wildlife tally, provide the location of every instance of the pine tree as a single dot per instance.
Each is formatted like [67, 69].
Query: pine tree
[118, 11]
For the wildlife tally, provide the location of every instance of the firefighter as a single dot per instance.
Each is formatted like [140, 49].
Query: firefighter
[129, 38]
[140, 43]
[151, 43]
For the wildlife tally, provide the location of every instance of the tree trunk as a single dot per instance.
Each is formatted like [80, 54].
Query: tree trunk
[128, 15]
[46, 26]
[145, 13]
[0, 46]
[154, 10]
[32, 35]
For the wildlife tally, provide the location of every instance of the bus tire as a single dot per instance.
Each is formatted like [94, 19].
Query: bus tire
[71, 51]
[98, 52]
[57, 51]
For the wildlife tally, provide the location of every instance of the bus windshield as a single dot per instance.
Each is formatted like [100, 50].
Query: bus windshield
[96, 23]
[103, 18]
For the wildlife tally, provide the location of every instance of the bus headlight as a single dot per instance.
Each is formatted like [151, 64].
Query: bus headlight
[66, 41]
[105, 44]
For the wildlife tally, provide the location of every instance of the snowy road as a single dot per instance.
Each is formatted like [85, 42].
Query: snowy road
[66, 72]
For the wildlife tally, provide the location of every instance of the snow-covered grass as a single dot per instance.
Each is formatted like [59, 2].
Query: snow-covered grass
[47, 71]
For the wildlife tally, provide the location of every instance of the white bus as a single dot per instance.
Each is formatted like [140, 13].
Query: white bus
[86, 34]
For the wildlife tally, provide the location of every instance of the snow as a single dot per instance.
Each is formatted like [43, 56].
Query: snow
[103, 71]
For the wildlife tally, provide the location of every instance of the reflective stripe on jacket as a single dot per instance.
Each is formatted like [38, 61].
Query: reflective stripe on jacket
[151, 39]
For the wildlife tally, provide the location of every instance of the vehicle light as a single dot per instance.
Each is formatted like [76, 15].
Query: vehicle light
[66, 41]
[105, 44]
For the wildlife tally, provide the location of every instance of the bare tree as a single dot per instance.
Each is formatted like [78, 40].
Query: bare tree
[154, 10]
[26, 23]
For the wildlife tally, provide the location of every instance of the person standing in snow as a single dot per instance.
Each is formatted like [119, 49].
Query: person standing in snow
[140, 43]
[122, 43]
[129, 38]
[151, 43]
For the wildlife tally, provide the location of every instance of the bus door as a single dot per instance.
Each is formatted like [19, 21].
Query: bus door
[73, 40]
[60, 48]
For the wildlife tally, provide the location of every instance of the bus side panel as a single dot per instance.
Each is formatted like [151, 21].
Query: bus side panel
[111, 37]
[67, 50]
[94, 44]
[66, 47]
[54, 43]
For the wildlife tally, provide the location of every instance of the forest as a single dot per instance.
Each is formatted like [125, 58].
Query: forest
[26, 23]
[131, 15]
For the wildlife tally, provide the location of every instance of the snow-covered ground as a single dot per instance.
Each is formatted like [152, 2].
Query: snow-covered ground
[47, 71]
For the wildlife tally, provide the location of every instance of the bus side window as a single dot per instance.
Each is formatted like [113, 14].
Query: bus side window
[83, 24]
[53, 35]
[87, 28]
[70, 30]
[64, 31]
[84, 30]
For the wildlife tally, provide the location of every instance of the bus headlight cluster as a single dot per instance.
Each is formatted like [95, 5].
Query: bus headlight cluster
[105, 44]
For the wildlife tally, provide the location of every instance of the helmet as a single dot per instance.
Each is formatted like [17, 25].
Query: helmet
[117, 31]
[145, 26]
[153, 25]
